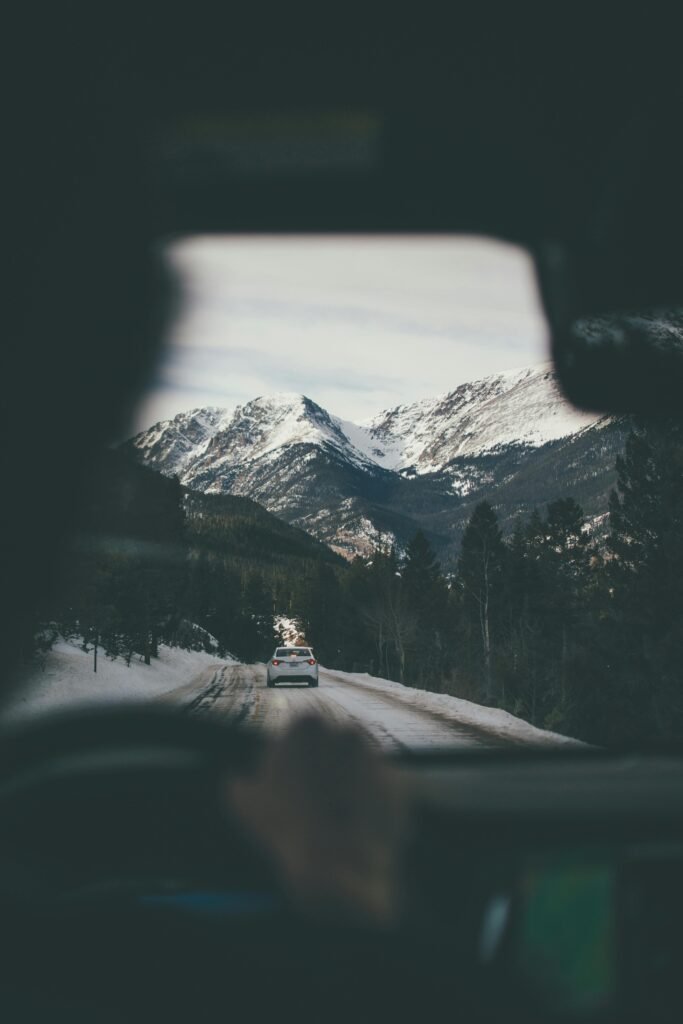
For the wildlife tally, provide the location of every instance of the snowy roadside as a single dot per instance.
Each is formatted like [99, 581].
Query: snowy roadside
[67, 679]
[497, 723]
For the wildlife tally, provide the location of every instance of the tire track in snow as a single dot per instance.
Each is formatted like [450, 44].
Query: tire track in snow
[239, 693]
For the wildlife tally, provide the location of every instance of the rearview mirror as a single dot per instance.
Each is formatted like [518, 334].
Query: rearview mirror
[617, 338]
[624, 362]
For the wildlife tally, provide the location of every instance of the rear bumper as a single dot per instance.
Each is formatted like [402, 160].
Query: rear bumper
[290, 677]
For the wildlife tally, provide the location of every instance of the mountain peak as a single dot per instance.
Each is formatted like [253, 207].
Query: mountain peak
[271, 422]
[280, 400]
[344, 481]
[521, 407]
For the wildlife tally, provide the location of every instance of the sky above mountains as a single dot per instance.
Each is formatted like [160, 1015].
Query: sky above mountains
[359, 324]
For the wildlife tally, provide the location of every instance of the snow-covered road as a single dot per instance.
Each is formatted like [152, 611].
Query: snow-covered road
[395, 717]
[239, 691]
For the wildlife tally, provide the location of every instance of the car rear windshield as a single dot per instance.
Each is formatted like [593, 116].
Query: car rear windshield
[287, 652]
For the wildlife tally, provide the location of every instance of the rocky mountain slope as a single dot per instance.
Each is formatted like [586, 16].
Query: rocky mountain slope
[509, 438]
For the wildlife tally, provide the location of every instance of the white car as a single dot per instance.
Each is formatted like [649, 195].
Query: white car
[292, 665]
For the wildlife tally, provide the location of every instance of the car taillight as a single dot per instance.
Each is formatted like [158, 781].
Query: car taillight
[311, 661]
[275, 661]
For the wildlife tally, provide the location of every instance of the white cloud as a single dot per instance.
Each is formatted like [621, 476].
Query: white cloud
[357, 323]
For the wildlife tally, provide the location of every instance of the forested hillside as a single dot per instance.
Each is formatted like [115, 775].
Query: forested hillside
[574, 630]
[151, 562]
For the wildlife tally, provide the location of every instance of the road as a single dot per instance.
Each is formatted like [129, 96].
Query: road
[240, 692]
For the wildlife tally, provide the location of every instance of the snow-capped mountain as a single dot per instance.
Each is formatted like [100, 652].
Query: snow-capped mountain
[417, 465]
[522, 408]
[283, 451]
[223, 443]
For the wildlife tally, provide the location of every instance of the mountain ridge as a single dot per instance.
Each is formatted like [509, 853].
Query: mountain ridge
[416, 465]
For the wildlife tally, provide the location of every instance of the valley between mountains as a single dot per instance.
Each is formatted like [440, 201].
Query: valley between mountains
[509, 438]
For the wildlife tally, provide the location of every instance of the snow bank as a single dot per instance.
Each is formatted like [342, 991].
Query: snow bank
[497, 723]
[67, 679]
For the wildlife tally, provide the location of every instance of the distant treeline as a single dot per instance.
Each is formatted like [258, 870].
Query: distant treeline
[571, 631]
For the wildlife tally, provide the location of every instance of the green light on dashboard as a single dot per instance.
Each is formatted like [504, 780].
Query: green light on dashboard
[566, 945]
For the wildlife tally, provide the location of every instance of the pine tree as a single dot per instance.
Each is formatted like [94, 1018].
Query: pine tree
[356, 634]
[427, 597]
[421, 573]
[259, 628]
[480, 580]
[388, 616]
[521, 628]
[564, 568]
[645, 572]
[317, 599]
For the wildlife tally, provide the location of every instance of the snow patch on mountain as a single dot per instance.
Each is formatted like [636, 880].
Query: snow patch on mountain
[179, 442]
[518, 407]
[221, 441]
[353, 485]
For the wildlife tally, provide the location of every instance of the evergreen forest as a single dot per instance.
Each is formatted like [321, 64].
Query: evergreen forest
[572, 628]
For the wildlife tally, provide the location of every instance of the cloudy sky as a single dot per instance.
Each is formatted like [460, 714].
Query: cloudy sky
[358, 324]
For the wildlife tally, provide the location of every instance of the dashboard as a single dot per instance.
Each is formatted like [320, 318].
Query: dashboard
[538, 885]
[566, 871]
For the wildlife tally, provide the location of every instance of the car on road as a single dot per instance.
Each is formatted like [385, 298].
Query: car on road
[292, 665]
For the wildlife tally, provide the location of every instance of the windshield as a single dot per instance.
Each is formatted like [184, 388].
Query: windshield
[358, 446]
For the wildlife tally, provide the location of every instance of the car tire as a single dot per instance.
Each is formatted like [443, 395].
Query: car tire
[270, 684]
[312, 683]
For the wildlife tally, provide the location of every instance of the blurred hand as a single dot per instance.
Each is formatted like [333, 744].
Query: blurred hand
[329, 812]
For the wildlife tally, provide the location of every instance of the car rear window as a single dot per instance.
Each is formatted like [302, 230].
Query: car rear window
[287, 652]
